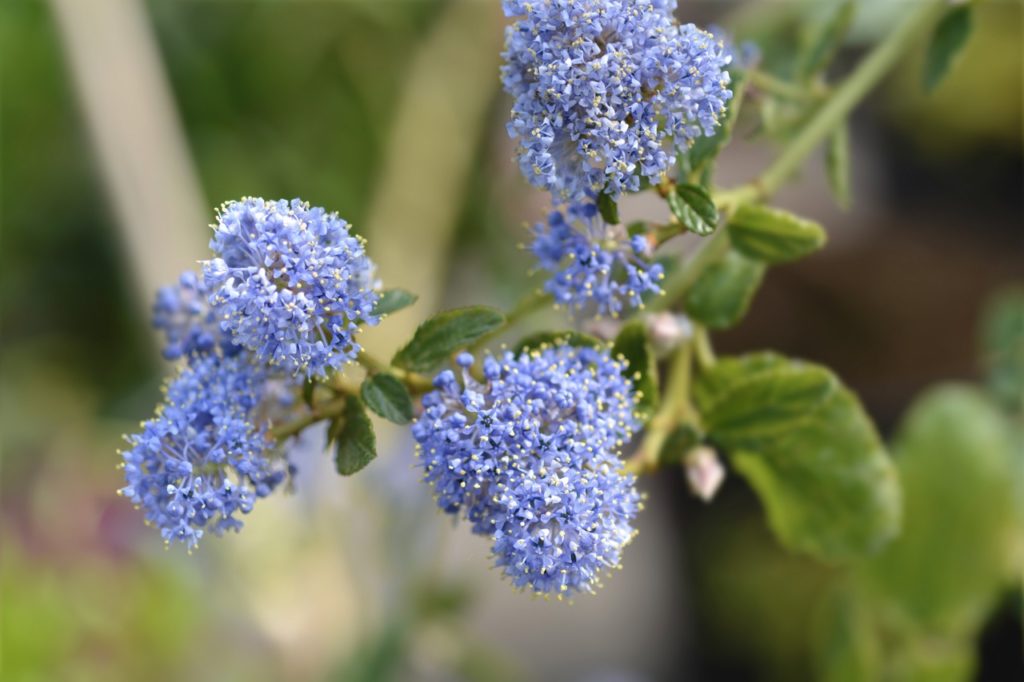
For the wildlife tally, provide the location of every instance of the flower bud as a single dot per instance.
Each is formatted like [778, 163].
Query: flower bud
[666, 331]
[704, 472]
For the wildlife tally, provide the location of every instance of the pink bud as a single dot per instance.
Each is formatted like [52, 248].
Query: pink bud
[704, 472]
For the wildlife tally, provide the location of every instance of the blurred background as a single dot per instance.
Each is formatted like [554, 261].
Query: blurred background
[123, 123]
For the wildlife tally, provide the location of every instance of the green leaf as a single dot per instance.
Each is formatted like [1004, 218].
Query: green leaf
[957, 464]
[947, 42]
[1002, 333]
[746, 404]
[638, 227]
[356, 444]
[846, 639]
[393, 300]
[826, 42]
[608, 208]
[837, 165]
[568, 338]
[722, 294]
[693, 207]
[706, 149]
[334, 430]
[773, 235]
[445, 333]
[632, 345]
[388, 397]
[807, 448]
[308, 389]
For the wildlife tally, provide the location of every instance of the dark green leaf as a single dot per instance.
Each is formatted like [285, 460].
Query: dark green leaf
[680, 441]
[1003, 347]
[393, 300]
[568, 338]
[773, 235]
[444, 334]
[947, 42]
[638, 227]
[705, 149]
[608, 208]
[388, 397]
[807, 448]
[722, 294]
[334, 430]
[308, 389]
[632, 345]
[955, 555]
[826, 41]
[837, 165]
[356, 444]
[693, 207]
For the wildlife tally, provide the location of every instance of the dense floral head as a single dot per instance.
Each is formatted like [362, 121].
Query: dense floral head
[602, 88]
[183, 313]
[291, 284]
[529, 457]
[595, 267]
[203, 459]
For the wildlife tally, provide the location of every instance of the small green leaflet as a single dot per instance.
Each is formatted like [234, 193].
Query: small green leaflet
[356, 443]
[632, 344]
[693, 207]
[608, 208]
[773, 235]
[947, 43]
[722, 294]
[393, 300]
[388, 397]
[444, 334]
[308, 389]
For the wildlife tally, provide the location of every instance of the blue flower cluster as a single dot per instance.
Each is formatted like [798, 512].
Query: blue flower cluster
[602, 88]
[529, 457]
[291, 284]
[189, 324]
[280, 303]
[202, 460]
[596, 268]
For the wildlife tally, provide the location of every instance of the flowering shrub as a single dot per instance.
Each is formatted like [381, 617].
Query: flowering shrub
[539, 447]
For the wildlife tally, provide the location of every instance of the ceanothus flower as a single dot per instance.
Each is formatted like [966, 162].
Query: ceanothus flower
[603, 89]
[183, 313]
[595, 267]
[291, 284]
[530, 458]
[204, 458]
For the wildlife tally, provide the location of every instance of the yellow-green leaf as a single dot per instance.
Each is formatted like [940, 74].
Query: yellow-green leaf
[773, 235]
[722, 294]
